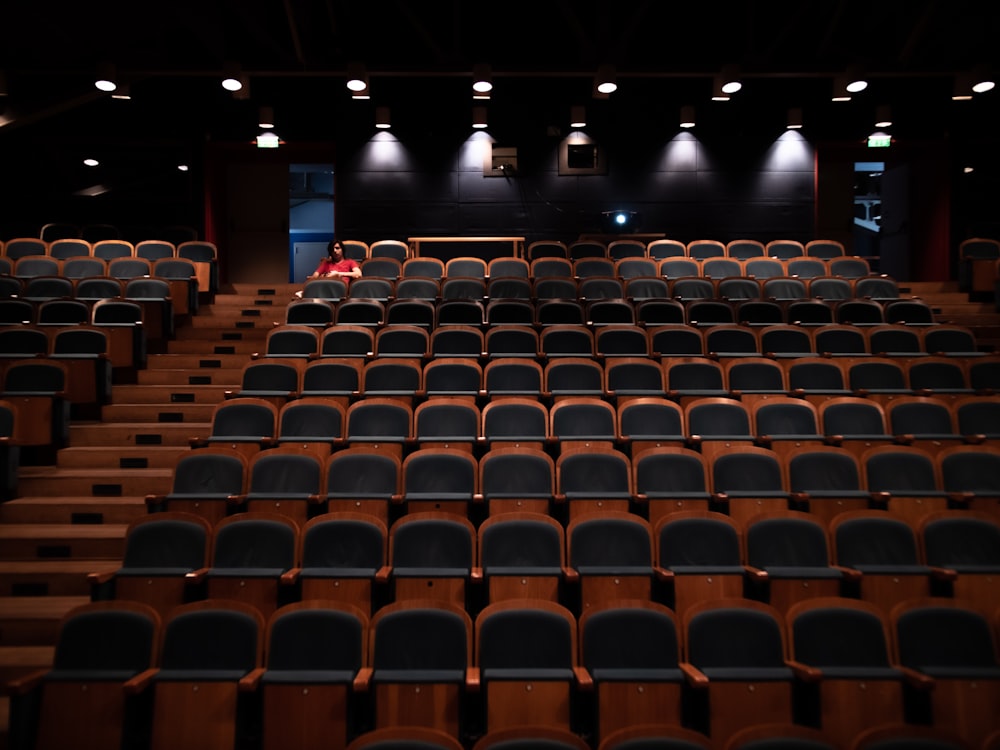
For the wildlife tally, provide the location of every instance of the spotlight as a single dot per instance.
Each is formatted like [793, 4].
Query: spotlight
[577, 117]
[265, 118]
[482, 80]
[982, 80]
[606, 81]
[479, 117]
[794, 118]
[855, 80]
[232, 78]
[105, 80]
[357, 81]
[382, 118]
[687, 116]
[883, 116]
[726, 83]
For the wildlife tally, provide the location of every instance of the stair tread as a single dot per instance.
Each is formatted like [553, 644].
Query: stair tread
[16, 607]
[52, 530]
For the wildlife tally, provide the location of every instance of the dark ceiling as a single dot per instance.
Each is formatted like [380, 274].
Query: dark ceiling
[543, 54]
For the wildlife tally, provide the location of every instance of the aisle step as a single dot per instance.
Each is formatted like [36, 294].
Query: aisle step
[50, 577]
[168, 394]
[226, 377]
[196, 361]
[34, 620]
[73, 509]
[50, 541]
[46, 481]
[208, 347]
[221, 332]
[137, 433]
[16, 661]
[158, 413]
[131, 457]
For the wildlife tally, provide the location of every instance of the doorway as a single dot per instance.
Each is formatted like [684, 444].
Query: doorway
[310, 217]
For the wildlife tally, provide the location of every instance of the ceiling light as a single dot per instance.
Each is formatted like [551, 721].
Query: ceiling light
[479, 117]
[687, 116]
[840, 92]
[382, 118]
[265, 118]
[606, 81]
[963, 88]
[122, 93]
[794, 118]
[577, 117]
[105, 80]
[982, 80]
[729, 80]
[482, 79]
[357, 81]
[855, 80]
[91, 162]
[232, 79]
[883, 116]
[182, 167]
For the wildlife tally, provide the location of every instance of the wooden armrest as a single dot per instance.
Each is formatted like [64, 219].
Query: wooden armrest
[917, 679]
[472, 679]
[196, 576]
[583, 679]
[695, 677]
[140, 682]
[24, 684]
[363, 679]
[248, 683]
[805, 672]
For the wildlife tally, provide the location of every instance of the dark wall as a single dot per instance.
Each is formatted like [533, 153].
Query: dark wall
[707, 182]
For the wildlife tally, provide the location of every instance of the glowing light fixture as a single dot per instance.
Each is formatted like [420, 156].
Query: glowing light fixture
[482, 80]
[122, 93]
[883, 116]
[91, 162]
[105, 80]
[265, 118]
[606, 81]
[577, 117]
[726, 84]
[232, 78]
[382, 121]
[182, 167]
[687, 116]
[357, 81]
[855, 80]
[479, 117]
[794, 118]
[982, 80]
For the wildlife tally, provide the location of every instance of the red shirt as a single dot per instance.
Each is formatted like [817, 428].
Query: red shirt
[345, 265]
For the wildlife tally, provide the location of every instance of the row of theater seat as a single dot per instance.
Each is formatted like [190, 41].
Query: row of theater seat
[632, 424]
[702, 312]
[660, 341]
[779, 557]
[506, 268]
[617, 378]
[703, 678]
[301, 478]
[624, 247]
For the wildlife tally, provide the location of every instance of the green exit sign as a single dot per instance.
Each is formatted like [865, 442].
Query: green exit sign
[879, 140]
